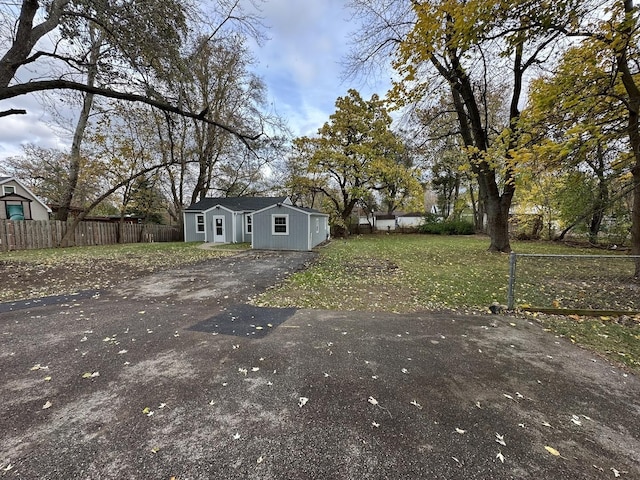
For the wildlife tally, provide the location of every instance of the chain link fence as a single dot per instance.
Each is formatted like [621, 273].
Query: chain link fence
[573, 282]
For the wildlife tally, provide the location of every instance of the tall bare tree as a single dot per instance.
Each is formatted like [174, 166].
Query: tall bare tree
[146, 37]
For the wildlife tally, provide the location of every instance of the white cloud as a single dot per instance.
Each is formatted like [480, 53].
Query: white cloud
[301, 62]
[18, 130]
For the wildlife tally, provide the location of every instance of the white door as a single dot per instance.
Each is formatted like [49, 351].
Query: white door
[218, 229]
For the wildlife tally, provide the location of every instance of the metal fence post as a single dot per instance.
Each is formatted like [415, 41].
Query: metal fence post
[512, 281]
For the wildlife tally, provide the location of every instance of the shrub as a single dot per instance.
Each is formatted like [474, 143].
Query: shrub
[434, 226]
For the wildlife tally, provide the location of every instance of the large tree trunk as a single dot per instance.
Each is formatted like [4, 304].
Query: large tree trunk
[474, 135]
[498, 225]
[75, 156]
[635, 225]
[633, 126]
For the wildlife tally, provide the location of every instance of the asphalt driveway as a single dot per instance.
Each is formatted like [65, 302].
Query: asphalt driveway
[175, 376]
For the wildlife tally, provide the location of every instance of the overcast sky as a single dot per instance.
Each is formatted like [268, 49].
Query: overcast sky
[300, 65]
[301, 61]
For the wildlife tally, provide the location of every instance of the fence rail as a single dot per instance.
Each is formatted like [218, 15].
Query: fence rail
[33, 234]
[573, 282]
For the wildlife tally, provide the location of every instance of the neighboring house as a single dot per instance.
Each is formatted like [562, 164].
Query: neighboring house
[386, 222]
[283, 226]
[17, 202]
[410, 220]
[250, 219]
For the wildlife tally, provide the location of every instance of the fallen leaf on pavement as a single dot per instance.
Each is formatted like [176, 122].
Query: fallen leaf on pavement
[552, 451]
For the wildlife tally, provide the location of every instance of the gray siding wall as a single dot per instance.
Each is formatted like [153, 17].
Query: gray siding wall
[321, 233]
[190, 234]
[228, 225]
[230, 218]
[298, 229]
[247, 236]
[239, 219]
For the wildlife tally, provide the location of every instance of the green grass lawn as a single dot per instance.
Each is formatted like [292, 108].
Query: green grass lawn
[408, 273]
[405, 273]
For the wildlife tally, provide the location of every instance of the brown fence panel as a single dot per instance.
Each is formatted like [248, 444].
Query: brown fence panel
[32, 234]
[4, 238]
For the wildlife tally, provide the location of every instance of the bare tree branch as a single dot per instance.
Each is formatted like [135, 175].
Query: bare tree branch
[44, 85]
[12, 111]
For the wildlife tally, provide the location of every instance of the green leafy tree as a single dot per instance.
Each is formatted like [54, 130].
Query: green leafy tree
[355, 153]
[612, 40]
[45, 171]
[467, 50]
[399, 183]
[146, 199]
[435, 132]
[573, 129]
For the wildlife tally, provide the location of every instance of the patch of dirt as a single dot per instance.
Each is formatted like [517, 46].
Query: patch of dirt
[24, 280]
[373, 267]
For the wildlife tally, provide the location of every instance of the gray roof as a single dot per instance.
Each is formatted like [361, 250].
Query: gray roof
[238, 204]
[307, 210]
[4, 179]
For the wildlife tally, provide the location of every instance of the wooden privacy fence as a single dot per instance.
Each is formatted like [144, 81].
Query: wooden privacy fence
[31, 234]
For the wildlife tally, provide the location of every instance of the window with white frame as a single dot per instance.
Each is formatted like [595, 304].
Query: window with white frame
[317, 225]
[8, 189]
[280, 224]
[200, 223]
[248, 225]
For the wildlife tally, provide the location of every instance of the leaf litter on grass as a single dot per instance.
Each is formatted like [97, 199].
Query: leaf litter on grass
[411, 273]
[60, 271]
